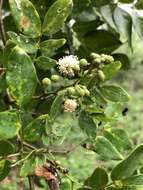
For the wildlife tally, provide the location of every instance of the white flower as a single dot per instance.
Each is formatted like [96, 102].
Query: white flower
[68, 65]
[70, 105]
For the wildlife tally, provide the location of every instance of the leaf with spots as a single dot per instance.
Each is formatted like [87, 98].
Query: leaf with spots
[26, 17]
[21, 76]
[56, 16]
[34, 130]
[9, 125]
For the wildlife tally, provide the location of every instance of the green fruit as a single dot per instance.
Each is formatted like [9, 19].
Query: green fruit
[79, 90]
[101, 76]
[55, 78]
[83, 62]
[46, 81]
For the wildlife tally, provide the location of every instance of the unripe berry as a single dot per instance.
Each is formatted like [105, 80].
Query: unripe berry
[55, 78]
[94, 55]
[46, 81]
[101, 76]
[83, 62]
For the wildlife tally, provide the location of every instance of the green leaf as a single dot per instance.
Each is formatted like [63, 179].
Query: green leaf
[98, 179]
[49, 47]
[21, 76]
[138, 23]
[126, 1]
[101, 2]
[111, 69]
[4, 169]
[26, 17]
[133, 180]
[105, 149]
[34, 130]
[9, 125]
[87, 124]
[28, 167]
[127, 167]
[6, 148]
[126, 188]
[27, 44]
[119, 138]
[56, 16]
[139, 4]
[123, 22]
[114, 93]
[57, 105]
[101, 41]
[45, 63]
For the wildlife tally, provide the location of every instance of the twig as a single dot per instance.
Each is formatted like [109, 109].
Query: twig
[2, 31]
[31, 184]
[70, 38]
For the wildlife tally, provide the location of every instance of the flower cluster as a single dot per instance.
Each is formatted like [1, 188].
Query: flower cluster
[69, 65]
[70, 105]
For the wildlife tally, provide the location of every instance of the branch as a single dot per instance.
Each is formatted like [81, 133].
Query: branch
[31, 183]
[2, 31]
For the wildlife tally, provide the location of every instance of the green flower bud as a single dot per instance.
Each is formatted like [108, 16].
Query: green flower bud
[101, 76]
[79, 90]
[55, 78]
[71, 90]
[94, 55]
[46, 81]
[107, 58]
[83, 62]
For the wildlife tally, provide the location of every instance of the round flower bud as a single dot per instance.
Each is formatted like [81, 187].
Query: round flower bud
[107, 58]
[101, 76]
[79, 90]
[46, 81]
[55, 78]
[94, 55]
[70, 105]
[97, 61]
[71, 90]
[83, 62]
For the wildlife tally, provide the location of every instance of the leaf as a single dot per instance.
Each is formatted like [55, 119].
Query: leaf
[21, 76]
[126, 188]
[45, 63]
[101, 2]
[114, 93]
[9, 125]
[56, 16]
[123, 23]
[133, 180]
[127, 167]
[24, 42]
[111, 69]
[101, 41]
[6, 148]
[119, 138]
[138, 23]
[49, 47]
[26, 17]
[4, 169]
[105, 149]
[34, 130]
[98, 179]
[28, 167]
[57, 105]
[139, 5]
[126, 1]
[87, 124]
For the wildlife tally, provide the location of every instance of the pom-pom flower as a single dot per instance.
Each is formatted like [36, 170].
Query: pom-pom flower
[70, 105]
[69, 65]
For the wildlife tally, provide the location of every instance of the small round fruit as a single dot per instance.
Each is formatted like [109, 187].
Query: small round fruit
[46, 81]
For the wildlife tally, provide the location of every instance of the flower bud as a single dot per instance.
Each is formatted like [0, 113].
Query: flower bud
[46, 81]
[94, 55]
[101, 76]
[79, 90]
[83, 62]
[71, 90]
[70, 105]
[55, 78]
